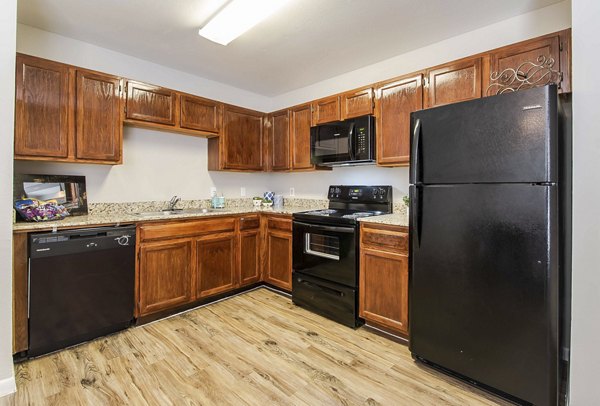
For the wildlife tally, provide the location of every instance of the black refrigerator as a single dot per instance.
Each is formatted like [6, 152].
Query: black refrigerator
[490, 242]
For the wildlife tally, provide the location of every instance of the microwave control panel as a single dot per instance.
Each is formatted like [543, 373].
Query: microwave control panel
[362, 141]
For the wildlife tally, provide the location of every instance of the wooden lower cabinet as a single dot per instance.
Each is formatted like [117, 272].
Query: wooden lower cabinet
[215, 264]
[278, 252]
[383, 283]
[165, 277]
[249, 252]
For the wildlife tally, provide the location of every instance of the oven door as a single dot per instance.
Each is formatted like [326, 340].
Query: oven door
[326, 252]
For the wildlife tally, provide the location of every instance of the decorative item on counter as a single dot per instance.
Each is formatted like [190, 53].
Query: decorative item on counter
[278, 201]
[267, 202]
[257, 201]
[39, 210]
[406, 201]
[269, 195]
[218, 202]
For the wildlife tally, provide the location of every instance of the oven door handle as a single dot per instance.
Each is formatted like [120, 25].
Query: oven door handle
[322, 288]
[348, 230]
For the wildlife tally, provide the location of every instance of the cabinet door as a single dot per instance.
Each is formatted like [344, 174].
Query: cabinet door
[150, 103]
[383, 289]
[165, 275]
[243, 139]
[98, 117]
[201, 114]
[42, 100]
[395, 101]
[300, 136]
[249, 248]
[279, 259]
[279, 141]
[357, 103]
[521, 57]
[454, 82]
[215, 264]
[327, 110]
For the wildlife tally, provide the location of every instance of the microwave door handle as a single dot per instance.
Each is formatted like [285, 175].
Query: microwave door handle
[351, 142]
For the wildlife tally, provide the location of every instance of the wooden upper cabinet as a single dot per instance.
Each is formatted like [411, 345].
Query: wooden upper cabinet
[395, 101]
[151, 103]
[165, 275]
[42, 103]
[357, 103]
[453, 82]
[279, 141]
[300, 117]
[524, 54]
[98, 128]
[215, 264]
[242, 139]
[200, 114]
[326, 110]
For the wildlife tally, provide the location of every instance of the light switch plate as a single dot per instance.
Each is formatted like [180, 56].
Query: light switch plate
[242, 191]
[292, 192]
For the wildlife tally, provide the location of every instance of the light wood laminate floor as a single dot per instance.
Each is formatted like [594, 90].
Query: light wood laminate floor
[253, 349]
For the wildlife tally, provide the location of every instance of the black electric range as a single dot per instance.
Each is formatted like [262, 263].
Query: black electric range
[326, 251]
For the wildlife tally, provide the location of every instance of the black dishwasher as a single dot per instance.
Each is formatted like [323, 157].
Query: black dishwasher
[81, 285]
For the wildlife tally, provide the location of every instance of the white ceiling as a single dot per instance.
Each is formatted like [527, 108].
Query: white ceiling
[306, 42]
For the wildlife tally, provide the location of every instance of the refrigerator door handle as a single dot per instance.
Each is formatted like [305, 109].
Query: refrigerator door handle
[415, 213]
[415, 152]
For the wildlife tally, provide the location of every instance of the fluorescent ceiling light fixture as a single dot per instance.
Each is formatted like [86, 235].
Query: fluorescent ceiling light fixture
[237, 17]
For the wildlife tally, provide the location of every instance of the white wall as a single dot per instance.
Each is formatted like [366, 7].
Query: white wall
[8, 31]
[585, 329]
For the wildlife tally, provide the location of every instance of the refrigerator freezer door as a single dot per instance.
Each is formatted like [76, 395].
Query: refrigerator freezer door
[484, 285]
[509, 138]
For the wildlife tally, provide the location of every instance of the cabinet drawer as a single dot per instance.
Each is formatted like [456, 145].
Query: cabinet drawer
[278, 223]
[186, 229]
[383, 238]
[249, 222]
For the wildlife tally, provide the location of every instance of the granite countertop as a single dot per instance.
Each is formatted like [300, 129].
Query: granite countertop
[130, 218]
[125, 213]
[394, 219]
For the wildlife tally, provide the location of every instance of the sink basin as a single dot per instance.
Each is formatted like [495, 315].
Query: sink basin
[167, 213]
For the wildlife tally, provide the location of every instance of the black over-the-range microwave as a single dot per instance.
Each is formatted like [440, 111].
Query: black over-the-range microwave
[348, 142]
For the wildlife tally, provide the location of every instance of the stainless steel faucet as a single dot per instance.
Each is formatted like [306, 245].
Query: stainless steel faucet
[173, 202]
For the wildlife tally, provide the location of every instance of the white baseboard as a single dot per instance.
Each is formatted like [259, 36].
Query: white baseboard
[7, 386]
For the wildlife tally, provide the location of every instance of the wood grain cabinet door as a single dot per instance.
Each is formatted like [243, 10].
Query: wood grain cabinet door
[520, 54]
[383, 289]
[357, 103]
[453, 82]
[249, 251]
[201, 114]
[150, 103]
[279, 141]
[279, 259]
[301, 117]
[243, 142]
[42, 103]
[395, 101]
[165, 275]
[98, 121]
[326, 110]
[215, 264]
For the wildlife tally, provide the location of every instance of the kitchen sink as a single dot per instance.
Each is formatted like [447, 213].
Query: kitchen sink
[167, 213]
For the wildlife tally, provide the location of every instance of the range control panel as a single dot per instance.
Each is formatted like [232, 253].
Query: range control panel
[381, 194]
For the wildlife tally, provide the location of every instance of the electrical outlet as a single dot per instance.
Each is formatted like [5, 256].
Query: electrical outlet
[213, 191]
[292, 192]
[243, 191]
